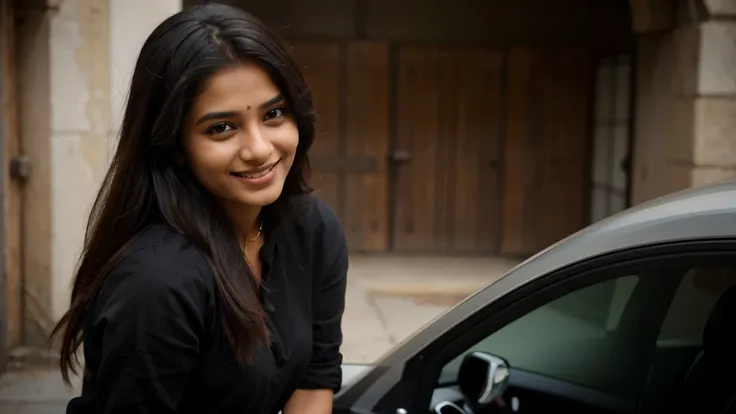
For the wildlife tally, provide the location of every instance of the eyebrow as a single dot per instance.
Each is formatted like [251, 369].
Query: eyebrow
[231, 114]
[273, 101]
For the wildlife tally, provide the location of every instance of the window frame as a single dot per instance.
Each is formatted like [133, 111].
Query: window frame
[420, 374]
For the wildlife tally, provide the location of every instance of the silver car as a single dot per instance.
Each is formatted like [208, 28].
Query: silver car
[633, 314]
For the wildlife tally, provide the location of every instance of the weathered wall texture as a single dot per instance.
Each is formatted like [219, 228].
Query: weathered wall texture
[129, 28]
[35, 128]
[80, 101]
[64, 120]
[686, 105]
[75, 70]
[714, 152]
[665, 78]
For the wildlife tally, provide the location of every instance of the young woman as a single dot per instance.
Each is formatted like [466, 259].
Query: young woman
[211, 280]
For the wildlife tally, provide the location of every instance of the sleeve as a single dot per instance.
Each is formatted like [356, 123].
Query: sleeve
[151, 316]
[325, 368]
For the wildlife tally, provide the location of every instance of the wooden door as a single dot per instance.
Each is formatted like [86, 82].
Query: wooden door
[350, 88]
[547, 141]
[447, 193]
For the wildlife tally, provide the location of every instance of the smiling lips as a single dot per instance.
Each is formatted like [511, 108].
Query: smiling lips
[258, 176]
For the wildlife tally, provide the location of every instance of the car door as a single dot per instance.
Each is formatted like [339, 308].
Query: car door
[585, 338]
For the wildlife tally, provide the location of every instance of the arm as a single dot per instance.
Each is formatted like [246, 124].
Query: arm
[151, 316]
[310, 402]
[324, 373]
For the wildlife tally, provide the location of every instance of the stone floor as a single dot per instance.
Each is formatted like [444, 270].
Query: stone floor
[388, 298]
[391, 297]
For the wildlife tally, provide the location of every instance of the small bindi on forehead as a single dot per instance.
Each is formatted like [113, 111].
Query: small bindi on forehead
[248, 107]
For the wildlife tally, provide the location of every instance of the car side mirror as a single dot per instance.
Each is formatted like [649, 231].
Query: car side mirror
[482, 377]
[447, 407]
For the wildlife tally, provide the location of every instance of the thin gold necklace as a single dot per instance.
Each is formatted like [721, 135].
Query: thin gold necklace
[260, 229]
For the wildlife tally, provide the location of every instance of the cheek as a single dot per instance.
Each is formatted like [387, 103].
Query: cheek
[286, 139]
[208, 160]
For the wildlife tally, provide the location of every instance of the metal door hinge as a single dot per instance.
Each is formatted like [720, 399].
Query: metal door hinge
[20, 167]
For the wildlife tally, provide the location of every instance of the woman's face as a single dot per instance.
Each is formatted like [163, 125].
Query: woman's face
[240, 138]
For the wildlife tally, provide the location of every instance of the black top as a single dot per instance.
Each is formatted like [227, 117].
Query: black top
[154, 343]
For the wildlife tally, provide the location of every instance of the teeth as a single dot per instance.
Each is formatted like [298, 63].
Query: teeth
[256, 175]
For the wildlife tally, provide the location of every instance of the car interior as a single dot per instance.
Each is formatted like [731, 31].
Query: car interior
[670, 349]
[709, 385]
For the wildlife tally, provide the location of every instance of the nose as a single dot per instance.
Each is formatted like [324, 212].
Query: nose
[255, 146]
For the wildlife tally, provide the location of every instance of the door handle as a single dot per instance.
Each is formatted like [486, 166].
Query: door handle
[401, 156]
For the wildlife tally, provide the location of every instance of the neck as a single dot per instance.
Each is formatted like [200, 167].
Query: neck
[245, 218]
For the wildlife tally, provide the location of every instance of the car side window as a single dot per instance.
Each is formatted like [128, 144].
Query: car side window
[680, 344]
[692, 304]
[571, 338]
[624, 336]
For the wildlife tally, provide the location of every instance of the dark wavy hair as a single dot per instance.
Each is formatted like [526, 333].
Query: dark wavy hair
[145, 184]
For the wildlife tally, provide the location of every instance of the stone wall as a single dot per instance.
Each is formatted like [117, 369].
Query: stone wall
[74, 64]
[714, 100]
[685, 128]
[64, 78]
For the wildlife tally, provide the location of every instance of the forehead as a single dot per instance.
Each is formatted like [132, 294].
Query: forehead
[247, 84]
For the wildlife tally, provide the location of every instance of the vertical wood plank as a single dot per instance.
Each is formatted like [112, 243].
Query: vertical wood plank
[519, 62]
[477, 193]
[367, 134]
[535, 144]
[416, 132]
[446, 74]
[546, 147]
[449, 195]
[320, 63]
[569, 144]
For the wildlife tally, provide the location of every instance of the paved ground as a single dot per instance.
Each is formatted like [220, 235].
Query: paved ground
[391, 297]
[388, 298]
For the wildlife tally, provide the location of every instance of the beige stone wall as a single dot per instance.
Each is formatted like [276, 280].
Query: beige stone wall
[35, 129]
[129, 28]
[685, 131]
[64, 110]
[663, 123]
[74, 63]
[714, 133]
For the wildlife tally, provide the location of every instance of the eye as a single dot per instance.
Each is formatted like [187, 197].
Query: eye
[220, 128]
[274, 114]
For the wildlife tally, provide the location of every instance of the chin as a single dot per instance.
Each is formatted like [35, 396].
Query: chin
[262, 198]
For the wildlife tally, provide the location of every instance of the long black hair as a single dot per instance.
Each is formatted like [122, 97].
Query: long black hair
[146, 184]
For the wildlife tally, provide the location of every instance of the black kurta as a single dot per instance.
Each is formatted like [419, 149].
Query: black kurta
[153, 342]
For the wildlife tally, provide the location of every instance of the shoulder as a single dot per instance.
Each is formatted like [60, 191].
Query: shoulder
[161, 248]
[317, 217]
[327, 233]
[316, 228]
[159, 262]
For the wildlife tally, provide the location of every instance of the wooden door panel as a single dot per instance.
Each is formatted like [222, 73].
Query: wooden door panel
[415, 202]
[350, 87]
[477, 193]
[546, 147]
[448, 195]
[461, 190]
[320, 63]
[367, 132]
